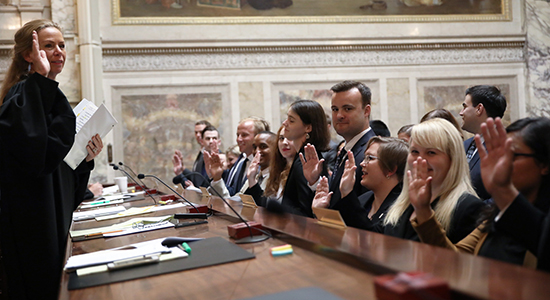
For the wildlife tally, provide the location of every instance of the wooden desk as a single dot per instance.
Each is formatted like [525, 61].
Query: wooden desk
[342, 262]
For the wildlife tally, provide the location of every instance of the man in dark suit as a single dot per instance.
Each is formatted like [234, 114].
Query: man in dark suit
[182, 173]
[350, 118]
[351, 108]
[480, 102]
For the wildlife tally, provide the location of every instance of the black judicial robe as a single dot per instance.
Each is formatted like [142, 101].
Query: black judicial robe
[39, 191]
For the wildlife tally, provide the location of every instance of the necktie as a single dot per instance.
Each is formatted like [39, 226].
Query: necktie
[241, 175]
[471, 151]
[338, 162]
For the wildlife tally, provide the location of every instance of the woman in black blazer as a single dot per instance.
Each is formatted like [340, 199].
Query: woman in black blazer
[382, 168]
[306, 126]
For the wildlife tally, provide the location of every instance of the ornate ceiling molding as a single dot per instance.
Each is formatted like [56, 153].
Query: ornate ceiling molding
[197, 58]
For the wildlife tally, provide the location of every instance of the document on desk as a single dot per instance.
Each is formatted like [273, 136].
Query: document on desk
[120, 253]
[90, 120]
[128, 227]
[90, 214]
[138, 211]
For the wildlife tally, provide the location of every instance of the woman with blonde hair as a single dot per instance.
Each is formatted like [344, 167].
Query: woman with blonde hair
[437, 155]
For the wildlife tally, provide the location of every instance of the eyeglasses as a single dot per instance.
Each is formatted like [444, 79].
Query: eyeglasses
[517, 154]
[369, 158]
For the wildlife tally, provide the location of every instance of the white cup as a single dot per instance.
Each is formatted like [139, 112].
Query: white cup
[122, 183]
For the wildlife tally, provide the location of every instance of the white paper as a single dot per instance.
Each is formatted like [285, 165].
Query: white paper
[110, 255]
[90, 121]
[127, 225]
[90, 214]
[132, 211]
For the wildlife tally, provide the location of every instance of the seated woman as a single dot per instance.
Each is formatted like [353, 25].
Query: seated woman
[306, 126]
[279, 166]
[436, 151]
[383, 168]
[531, 161]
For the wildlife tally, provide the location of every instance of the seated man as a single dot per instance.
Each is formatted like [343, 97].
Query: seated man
[257, 171]
[209, 139]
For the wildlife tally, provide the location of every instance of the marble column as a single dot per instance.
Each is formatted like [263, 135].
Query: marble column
[537, 24]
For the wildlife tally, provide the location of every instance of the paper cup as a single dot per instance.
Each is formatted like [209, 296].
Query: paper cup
[122, 183]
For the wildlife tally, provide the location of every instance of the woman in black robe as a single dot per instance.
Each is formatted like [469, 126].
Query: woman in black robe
[39, 191]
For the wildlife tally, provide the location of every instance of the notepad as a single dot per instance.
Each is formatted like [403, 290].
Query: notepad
[90, 214]
[133, 211]
[131, 226]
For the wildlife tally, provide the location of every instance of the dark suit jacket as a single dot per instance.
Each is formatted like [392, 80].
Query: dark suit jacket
[464, 220]
[475, 172]
[187, 174]
[356, 209]
[298, 197]
[358, 151]
[530, 226]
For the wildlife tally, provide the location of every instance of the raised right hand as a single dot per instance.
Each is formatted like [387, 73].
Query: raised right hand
[322, 195]
[39, 60]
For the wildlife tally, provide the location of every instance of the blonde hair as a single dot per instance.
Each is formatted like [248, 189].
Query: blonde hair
[23, 44]
[442, 135]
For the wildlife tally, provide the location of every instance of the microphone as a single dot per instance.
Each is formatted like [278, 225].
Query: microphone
[134, 173]
[126, 173]
[246, 240]
[199, 214]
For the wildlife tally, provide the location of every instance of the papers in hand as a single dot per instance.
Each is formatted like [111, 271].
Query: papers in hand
[90, 120]
[131, 226]
[98, 261]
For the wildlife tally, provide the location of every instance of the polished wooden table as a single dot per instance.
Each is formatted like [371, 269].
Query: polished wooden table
[343, 262]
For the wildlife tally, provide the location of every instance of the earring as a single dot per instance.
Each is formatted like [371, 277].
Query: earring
[307, 136]
[29, 68]
[388, 176]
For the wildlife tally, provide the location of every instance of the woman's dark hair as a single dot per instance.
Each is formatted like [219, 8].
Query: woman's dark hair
[535, 133]
[312, 113]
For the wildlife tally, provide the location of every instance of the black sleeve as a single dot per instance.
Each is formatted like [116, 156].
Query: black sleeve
[258, 194]
[34, 131]
[353, 213]
[465, 218]
[524, 222]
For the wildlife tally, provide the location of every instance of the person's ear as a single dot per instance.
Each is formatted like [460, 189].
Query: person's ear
[366, 111]
[308, 128]
[27, 57]
[480, 109]
[544, 171]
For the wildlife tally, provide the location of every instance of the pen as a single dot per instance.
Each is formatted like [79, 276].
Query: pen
[102, 233]
[100, 202]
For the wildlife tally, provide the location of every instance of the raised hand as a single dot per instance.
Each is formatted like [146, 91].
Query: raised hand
[348, 177]
[420, 189]
[322, 195]
[94, 147]
[177, 161]
[253, 170]
[38, 58]
[213, 165]
[311, 165]
[496, 160]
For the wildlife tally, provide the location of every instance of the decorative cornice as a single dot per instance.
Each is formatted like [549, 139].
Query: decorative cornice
[148, 59]
[312, 48]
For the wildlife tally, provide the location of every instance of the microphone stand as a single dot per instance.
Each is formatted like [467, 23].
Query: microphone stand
[134, 173]
[246, 240]
[141, 176]
[126, 173]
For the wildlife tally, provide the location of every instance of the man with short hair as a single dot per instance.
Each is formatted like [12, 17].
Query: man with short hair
[264, 145]
[480, 102]
[207, 137]
[233, 181]
[350, 118]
